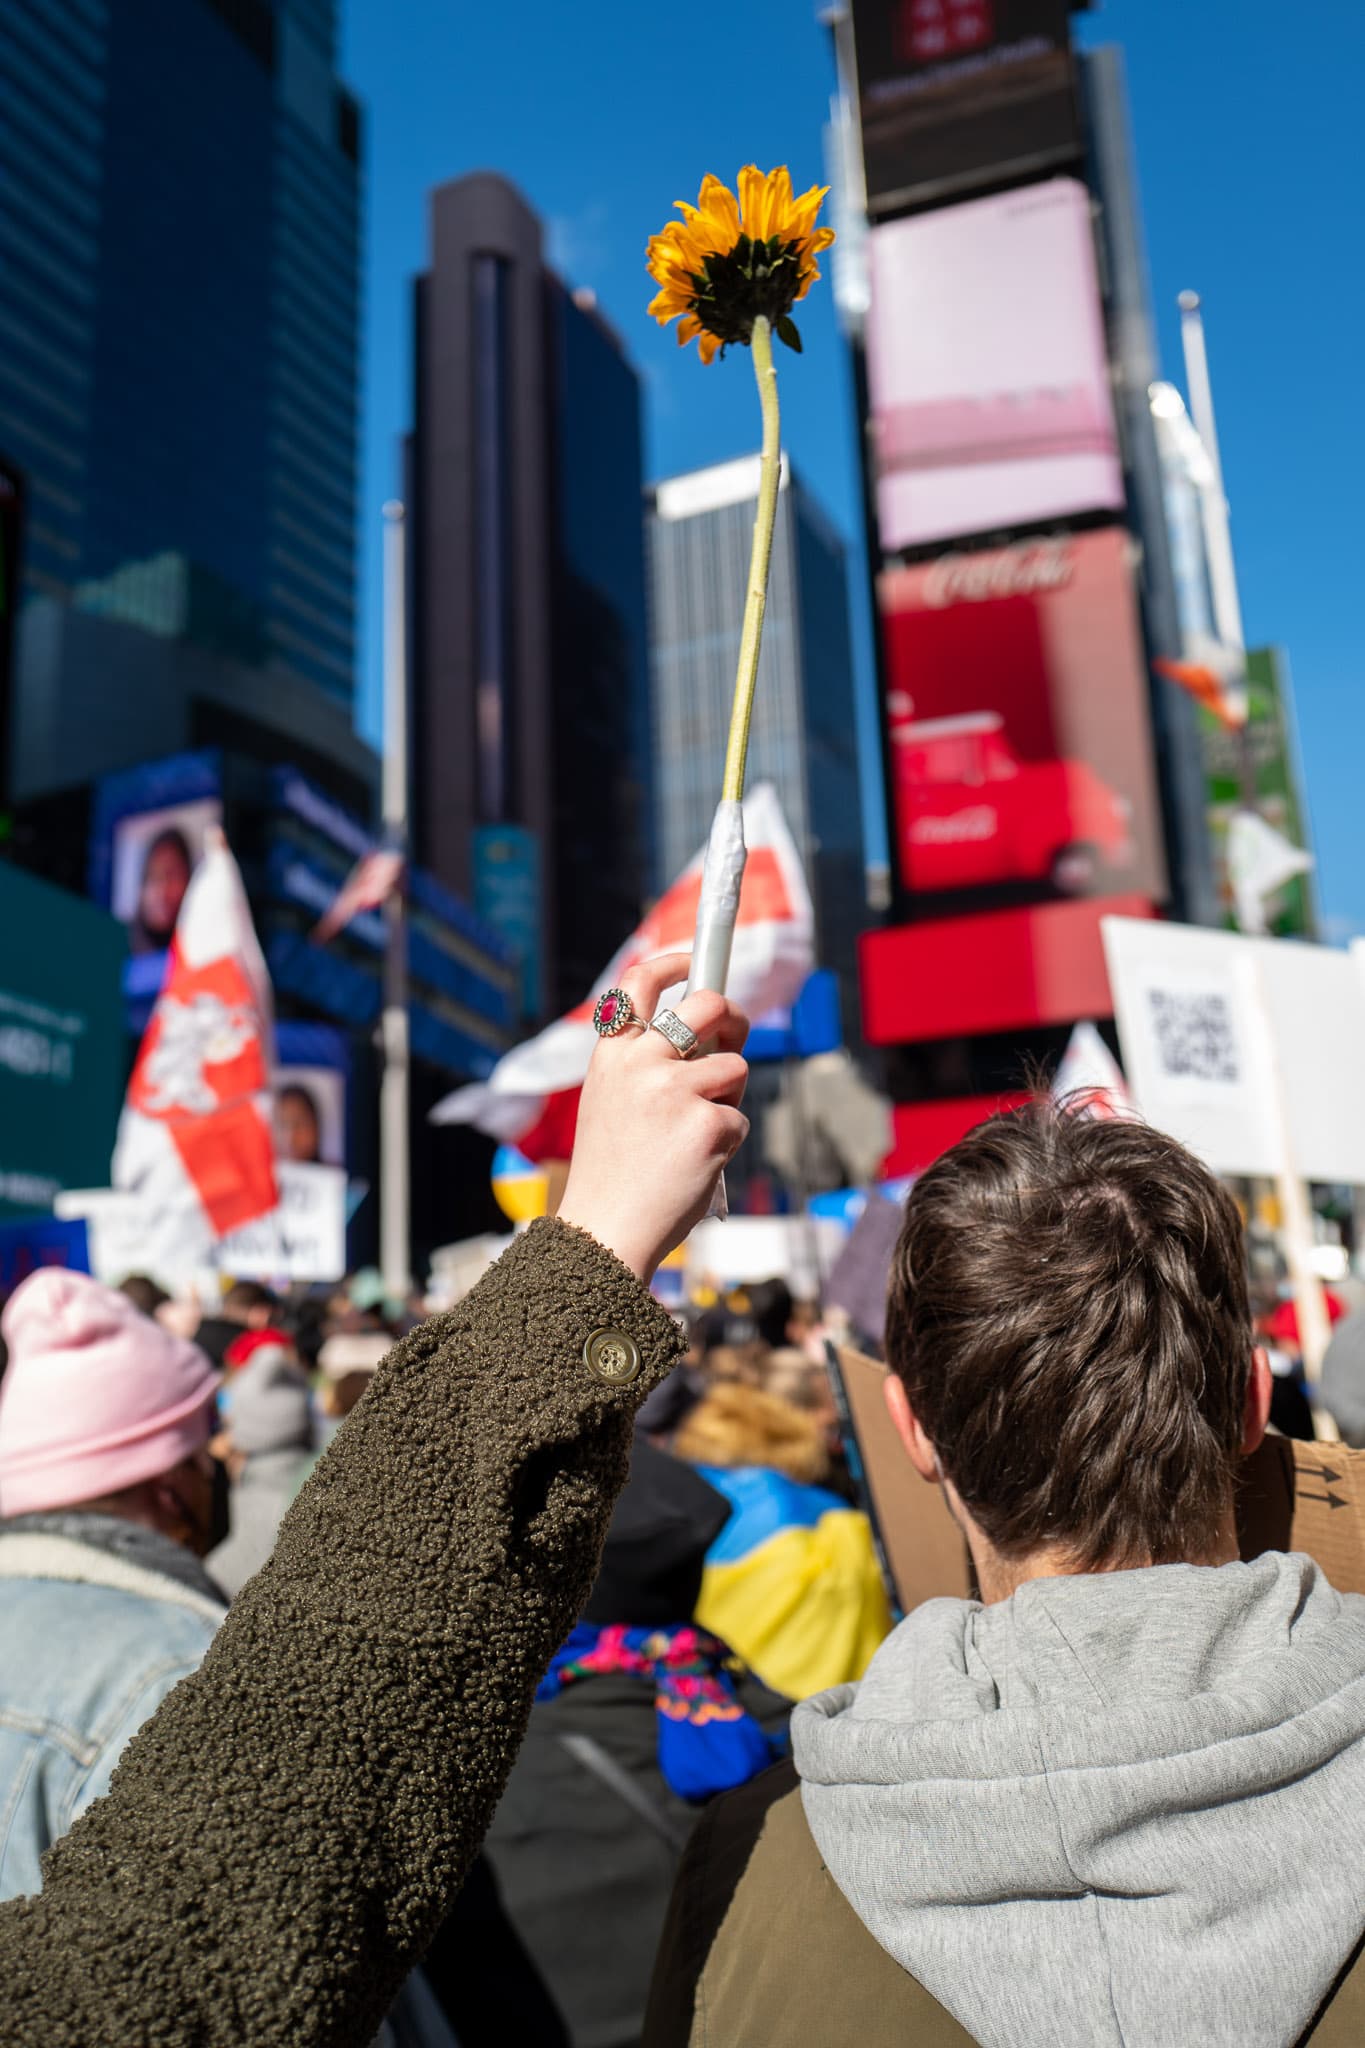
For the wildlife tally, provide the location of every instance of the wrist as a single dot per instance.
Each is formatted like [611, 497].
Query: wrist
[614, 1234]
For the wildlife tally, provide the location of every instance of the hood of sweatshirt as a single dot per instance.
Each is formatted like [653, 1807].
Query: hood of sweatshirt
[1123, 1809]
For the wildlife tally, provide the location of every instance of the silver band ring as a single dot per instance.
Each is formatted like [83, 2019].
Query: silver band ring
[680, 1036]
[614, 1012]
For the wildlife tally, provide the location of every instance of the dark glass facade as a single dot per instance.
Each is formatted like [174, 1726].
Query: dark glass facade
[179, 307]
[602, 767]
[527, 580]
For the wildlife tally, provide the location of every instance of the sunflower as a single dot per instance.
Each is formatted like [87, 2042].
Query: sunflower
[729, 261]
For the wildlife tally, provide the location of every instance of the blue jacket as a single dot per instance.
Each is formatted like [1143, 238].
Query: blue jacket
[98, 1620]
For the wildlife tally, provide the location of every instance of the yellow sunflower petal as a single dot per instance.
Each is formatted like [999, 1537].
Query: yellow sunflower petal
[718, 201]
[708, 346]
[666, 306]
[804, 212]
[824, 239]
[777, 209]
[689, 327]
[752, 189]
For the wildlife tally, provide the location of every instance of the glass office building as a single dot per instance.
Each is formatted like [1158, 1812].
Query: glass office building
[527, 583]
[179, 312]
[803, 736]
[600, 645]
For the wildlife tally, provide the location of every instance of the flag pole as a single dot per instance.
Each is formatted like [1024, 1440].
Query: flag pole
[1214, 516]
[394, 1124]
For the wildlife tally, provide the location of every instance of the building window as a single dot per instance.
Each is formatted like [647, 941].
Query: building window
[489, 396]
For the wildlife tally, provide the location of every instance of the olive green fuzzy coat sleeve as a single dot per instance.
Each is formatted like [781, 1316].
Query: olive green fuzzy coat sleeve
[286, 1833]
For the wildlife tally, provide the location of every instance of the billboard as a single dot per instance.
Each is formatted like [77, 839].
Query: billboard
[957, 94]
[1269, 740]
[987, 368]
[507, 896]
[11, 523]
[1017, 724]
[62, 1042]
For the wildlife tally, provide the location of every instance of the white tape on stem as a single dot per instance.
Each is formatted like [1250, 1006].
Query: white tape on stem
[717, 913]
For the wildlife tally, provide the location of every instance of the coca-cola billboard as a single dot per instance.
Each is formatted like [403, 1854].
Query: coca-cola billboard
[1017, 723]
[987, 369]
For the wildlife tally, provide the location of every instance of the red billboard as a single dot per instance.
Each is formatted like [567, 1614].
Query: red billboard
[1003, 970]
[957, 94]
[988, 369]
[1017, 724]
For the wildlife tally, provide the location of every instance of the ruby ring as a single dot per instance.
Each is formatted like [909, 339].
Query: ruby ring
[614, 1012]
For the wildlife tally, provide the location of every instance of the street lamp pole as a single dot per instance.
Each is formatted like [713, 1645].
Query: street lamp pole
[395, 1181]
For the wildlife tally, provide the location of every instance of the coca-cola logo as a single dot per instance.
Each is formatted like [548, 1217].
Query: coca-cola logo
[979, 821]
[1025, 570]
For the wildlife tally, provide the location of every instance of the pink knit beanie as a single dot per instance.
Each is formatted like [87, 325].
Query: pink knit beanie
[96, 1396]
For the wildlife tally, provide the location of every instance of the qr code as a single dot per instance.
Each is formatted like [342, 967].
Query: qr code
[1196, 1039]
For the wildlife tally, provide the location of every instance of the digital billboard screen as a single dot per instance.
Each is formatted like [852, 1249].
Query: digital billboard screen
[1018, 725]
[988, 370]
[11, 522]
[957, 94]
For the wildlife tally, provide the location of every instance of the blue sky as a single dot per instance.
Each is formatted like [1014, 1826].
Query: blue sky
[1246, 114]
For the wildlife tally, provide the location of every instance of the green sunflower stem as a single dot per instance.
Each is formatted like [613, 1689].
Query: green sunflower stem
[723, 872]
[755, 603]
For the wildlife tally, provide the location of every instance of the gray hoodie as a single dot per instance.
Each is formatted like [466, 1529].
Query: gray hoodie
[1126, 1809]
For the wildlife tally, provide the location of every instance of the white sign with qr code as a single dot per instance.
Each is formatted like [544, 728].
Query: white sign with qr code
[1243, 1047]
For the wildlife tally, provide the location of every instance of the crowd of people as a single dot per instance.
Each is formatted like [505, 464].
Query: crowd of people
[528, 1674]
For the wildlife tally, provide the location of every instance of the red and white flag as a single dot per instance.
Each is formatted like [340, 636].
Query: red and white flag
[1090, 1080]
[194, 1140]
[530, 1099]
[369, 885]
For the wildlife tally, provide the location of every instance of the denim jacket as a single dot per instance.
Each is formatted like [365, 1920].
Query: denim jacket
[98, 1620]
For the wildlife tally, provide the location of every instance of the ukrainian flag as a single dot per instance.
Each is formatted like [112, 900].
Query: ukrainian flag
[792, 1582]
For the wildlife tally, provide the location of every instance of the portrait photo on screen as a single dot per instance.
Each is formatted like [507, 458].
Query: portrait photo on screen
[155, 853]
[987, 368]
[1017, 723]
[310, 1115]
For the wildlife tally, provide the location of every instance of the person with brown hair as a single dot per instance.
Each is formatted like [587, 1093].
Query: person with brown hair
[1115, 1799]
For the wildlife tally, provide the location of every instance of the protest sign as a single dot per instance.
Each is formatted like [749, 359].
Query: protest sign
[1246, 1049]
[303, 1239]
[41, 1241]
[925, 1551]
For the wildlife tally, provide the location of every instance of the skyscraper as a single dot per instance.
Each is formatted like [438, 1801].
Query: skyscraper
[528, 594]
[179, 309]
[803, 734]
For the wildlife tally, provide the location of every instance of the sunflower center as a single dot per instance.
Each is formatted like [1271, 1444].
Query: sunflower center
[752, 278]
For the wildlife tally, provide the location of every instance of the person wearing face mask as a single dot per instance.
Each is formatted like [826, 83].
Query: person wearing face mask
[109, 1498]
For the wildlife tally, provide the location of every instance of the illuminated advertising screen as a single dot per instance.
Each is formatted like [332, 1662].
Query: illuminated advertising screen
[154, 854]
[987, 368]
[1018, 726]
[11, 519]
[957, 94]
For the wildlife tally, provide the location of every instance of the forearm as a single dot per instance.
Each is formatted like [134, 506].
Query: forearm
[286, 1833]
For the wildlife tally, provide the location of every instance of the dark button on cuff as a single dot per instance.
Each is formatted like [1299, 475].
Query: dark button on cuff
[612, 1356]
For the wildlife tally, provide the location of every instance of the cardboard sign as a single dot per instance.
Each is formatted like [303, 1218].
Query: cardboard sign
[924, 1550]
[1308, 1497]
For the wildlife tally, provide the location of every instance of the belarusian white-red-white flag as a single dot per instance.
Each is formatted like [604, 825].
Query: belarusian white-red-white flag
[535, 1085]
[369, 885]
[194, 1140]
[1089, 1079]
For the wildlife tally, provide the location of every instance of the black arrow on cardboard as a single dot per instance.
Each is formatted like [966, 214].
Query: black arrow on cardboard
[1323, 1472]
[1333, 1500]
